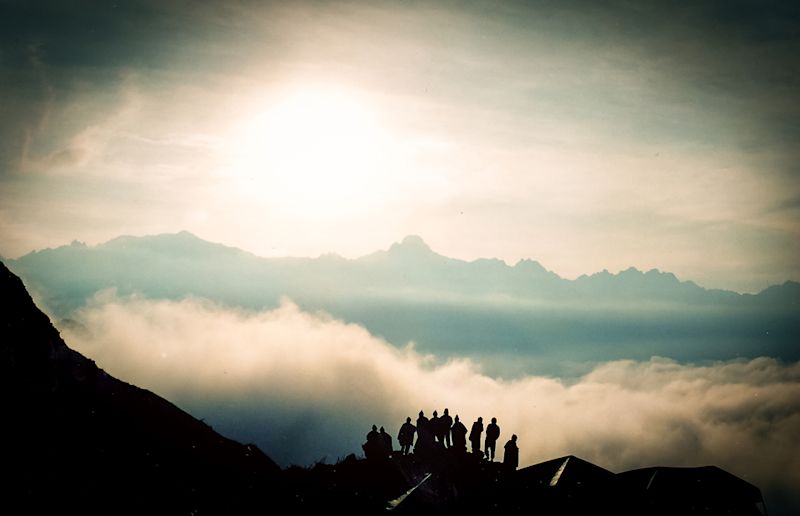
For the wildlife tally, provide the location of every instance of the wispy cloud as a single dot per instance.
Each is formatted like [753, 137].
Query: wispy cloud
[305, 386]
[57, 145]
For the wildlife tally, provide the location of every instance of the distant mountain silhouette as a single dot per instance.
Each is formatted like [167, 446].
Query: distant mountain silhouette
[78, 441]
[411, 246]
[115, 263]
[447, 306]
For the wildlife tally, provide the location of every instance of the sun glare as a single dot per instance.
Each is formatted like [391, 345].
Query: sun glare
[314, 152]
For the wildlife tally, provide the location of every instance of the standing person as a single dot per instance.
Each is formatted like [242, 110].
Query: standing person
[492, 434]
[373, 445]
[511, 454]
[446, 423]
[406, 436]
[424, 435]
[436, 427]
[386, 443]
[459, 432]
[475, 435]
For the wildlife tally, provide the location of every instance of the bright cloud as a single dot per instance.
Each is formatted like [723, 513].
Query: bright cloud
[306, 386]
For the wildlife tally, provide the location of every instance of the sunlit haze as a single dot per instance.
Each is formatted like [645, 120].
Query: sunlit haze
[314, 151]
[587, 138]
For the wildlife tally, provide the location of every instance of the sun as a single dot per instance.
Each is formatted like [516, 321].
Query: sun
[315, 152]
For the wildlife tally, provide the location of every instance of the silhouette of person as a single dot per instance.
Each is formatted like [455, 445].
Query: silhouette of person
[459, 432]
[424, 435]
[436, 427]
[511, 454]
[386, 443]
[373, 445]
[406, 436]
[492, 434]
[475, 435]
[446, 422]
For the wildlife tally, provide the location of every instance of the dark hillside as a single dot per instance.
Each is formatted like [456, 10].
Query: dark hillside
[78, 441]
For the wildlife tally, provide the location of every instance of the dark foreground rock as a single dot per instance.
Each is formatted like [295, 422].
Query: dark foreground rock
[453, 483]
[77, 441]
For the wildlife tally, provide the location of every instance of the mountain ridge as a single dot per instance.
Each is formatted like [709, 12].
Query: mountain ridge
[446, 306]
[411, 247]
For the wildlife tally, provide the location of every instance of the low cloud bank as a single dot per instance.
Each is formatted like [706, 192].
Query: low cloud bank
[304, 387]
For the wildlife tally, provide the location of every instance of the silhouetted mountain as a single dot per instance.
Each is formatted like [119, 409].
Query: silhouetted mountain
[78, 441]
[447, 306]
[411, 248]
[72, 272]
[787, 294]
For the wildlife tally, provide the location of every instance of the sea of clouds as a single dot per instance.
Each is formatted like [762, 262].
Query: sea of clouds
[307, 387]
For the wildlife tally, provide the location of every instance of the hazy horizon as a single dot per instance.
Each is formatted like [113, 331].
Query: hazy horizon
[386, 248]
[513, 320]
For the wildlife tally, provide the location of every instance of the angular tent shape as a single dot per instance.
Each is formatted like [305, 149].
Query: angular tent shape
[566, 485]
[565, 472]
[706, 490]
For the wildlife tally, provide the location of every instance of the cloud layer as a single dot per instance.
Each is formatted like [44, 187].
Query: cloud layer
[305, 387]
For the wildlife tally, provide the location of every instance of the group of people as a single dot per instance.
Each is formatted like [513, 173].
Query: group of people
[378, 445]
[439, 433]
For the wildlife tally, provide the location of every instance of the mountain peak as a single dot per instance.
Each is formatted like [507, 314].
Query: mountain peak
[182, 243]
[179, 235]
[411, 245]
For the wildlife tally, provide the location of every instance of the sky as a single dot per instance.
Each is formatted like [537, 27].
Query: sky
[585, 135]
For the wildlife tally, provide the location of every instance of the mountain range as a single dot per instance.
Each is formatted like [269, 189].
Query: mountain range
[515, 319]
